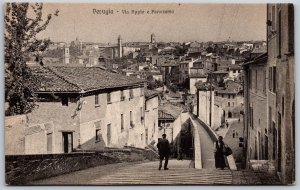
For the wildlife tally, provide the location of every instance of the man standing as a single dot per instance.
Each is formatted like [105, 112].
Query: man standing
[164, 151]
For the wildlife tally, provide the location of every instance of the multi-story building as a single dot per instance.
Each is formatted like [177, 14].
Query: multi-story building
[273, 139]
[230, 98]
[84, 108]
[281, 88]
[151, 116]
[196, 73]
[256, 117]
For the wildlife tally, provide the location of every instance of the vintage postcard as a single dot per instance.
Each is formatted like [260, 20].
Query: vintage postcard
[149, 94]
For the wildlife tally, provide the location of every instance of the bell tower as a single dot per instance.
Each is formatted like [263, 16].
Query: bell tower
[66, 55]
[120, 49]
[152, 38]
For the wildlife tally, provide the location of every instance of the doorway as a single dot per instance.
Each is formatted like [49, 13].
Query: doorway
[67, 142]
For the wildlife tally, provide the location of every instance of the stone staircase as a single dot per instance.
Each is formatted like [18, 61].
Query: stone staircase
[179, 173]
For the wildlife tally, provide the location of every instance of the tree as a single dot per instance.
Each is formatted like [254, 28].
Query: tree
[23, 21]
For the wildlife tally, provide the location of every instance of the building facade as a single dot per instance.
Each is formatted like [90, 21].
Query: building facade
[273, 139]
[85, 108]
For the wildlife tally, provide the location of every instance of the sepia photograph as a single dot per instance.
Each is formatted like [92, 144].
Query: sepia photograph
[114, 94]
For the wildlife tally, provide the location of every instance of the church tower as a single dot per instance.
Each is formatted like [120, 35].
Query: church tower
[152, 38]
[66, 55]
[120, 49]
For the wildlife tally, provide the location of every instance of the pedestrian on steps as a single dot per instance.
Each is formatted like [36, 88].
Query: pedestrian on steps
[164, 151]
[219, 154]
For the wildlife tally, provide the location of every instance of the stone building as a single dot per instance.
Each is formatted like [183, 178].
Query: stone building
[256, 117]
[207, 110]
[84, 108]
[281, 88]
[151, 116]
[273, 139]
[230, 98]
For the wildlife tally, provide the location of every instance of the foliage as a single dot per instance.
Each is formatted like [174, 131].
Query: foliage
[20, 43]
[152, 83]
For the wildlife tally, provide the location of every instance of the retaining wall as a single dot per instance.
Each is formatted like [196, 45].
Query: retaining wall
[21, 169]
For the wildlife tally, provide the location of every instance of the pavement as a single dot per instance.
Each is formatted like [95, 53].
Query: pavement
[231, 138]
[147, 173]
[179, 173]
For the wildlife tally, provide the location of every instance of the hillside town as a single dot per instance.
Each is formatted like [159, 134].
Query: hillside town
[108, 98]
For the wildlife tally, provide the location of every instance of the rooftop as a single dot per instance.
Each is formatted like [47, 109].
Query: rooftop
[169, 111]
[78, 79]
[150, 93]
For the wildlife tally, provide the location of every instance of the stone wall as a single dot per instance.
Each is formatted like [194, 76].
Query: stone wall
[267, 166]
[21, 169]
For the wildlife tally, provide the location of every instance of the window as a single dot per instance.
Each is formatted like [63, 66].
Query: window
[96, 99]
[122, 123]
[251, 117]
[131, 122]
[131, 93]
[64, 101]
[108, 97]
[279, 35]
[142, 91]
[282, 106]
[273, 17]
[290, 28]
[264, 82]
[122, 95]
[228, 104]
[255, 80]
[270, 78]
[270, 119]
[274, 79]
[98, 134]
[250, 79]
[142, 115]
[232, 104]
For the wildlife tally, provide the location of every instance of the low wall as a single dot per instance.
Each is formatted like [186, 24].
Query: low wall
[230, 160]
[197, 146]
[21, 169]
[267, 166]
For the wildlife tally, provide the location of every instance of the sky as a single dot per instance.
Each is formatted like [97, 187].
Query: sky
[189, 22]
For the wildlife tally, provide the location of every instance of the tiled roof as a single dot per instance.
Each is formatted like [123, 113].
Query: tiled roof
[171, 109]
[260, 50]
[163, 115]
[150, 93]
[198, 75]
[49, 81]
[220, 72]
[77, 79]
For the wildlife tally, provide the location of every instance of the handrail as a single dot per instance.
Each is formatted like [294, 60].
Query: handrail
[197, 145]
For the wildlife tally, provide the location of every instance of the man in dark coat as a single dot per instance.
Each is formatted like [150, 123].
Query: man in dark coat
[164, 151]
[219, 154]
